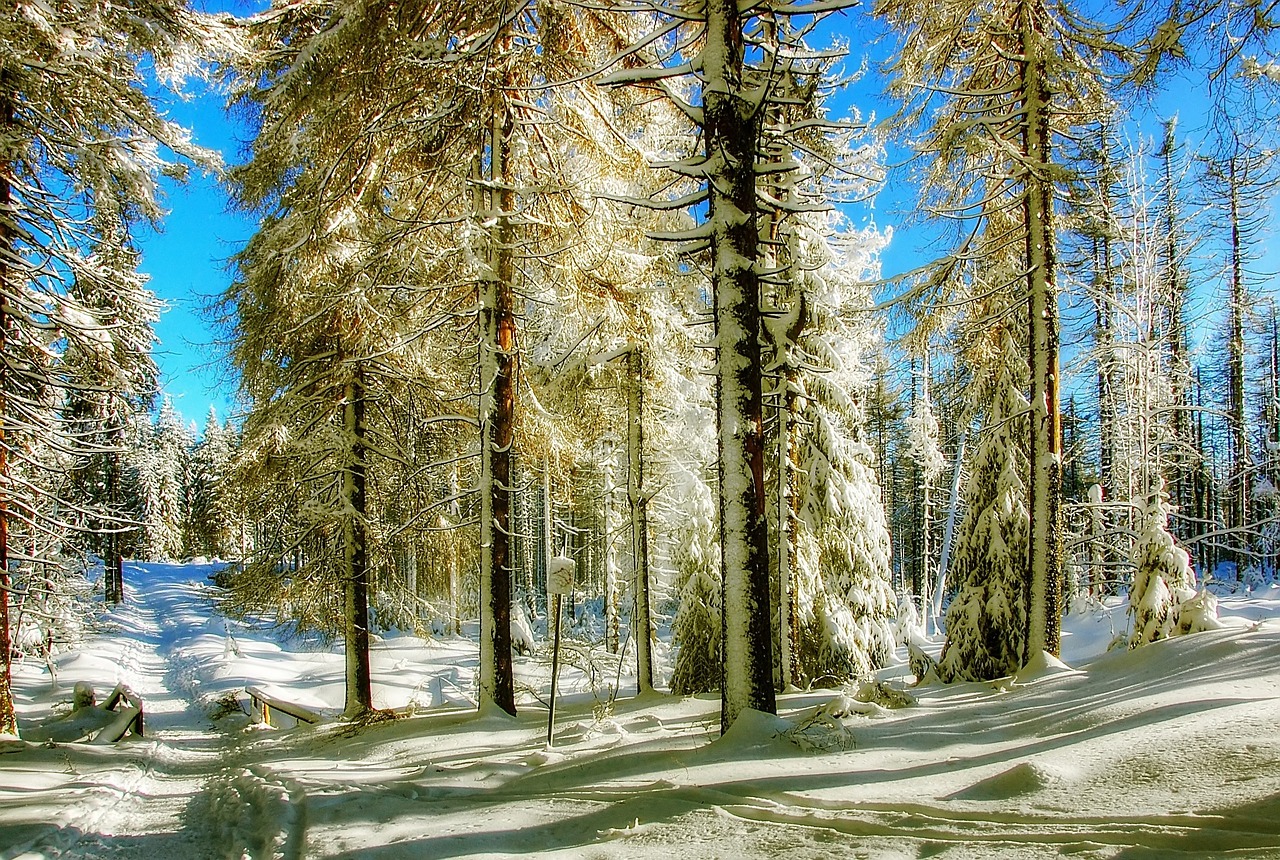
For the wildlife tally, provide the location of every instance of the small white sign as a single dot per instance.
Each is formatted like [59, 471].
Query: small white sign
[560, 575]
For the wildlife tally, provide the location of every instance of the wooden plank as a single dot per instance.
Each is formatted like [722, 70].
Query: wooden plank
[126, 719]
[266, 702]
[129, 718]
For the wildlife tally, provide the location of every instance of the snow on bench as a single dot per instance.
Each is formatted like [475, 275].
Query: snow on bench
[264, 704]
[128, 718]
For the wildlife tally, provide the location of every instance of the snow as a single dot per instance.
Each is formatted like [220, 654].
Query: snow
[1164, 750]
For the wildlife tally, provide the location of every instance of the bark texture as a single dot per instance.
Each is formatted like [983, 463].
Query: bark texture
[732, 137]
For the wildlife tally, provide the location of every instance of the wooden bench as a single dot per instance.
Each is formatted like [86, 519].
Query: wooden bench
[128, 718]
[265, 705]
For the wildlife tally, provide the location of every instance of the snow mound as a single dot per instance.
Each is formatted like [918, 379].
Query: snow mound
[753, 729]
[1042, 665]
[1024, 777]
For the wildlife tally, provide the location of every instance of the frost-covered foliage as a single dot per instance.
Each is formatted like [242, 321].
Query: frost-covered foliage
[162, 465]
[54, 609]
[697, 626]
[844, 601]
[922, 440]
[688, 514]
[82, 148]
[842, 597]
[214, 523]
[986, 621]
[1163, 581]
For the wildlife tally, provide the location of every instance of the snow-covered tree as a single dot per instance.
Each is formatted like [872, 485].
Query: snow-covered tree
[994, 88]
[162, 465]
[695, 557]
[81, 148]
[448, 226]
[843, 601]
[731, 70]
[112, 358]
[1162, 577]
[213, 521]
[924, 451]
[986, 620]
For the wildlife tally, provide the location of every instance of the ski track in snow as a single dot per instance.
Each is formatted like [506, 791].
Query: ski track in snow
[1165, 752]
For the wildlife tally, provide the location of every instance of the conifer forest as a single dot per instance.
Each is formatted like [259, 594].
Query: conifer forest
[616, 287]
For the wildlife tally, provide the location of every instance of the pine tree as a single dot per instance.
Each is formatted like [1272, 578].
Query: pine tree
[212, 522]
[695, 557]
[986, 621]
[163, 469]
[441, 229]
[843, 597]
[729, 73]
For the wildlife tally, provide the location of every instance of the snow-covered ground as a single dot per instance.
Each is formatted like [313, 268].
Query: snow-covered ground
[1171, 750]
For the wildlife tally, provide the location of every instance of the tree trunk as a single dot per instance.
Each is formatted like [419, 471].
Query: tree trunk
[926, 508]
[1044, 568]
[639, 519]
[1104, 292]
[548, 537]
[452, 550]
[1238, 481]
[1271, 432]
[611, 633]
[1175, 288]
[1204, 485]
[786, 586]
[497, 418]
[8, 715]
[732, 136]
[359, 685]
[113, 573]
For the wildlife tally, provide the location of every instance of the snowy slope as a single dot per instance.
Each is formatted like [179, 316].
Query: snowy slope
[1167, 751]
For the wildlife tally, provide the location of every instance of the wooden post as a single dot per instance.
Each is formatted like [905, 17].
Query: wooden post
[559, 582]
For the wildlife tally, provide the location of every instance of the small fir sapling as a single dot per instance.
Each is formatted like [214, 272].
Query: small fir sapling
[1163, 600]
[695, 556]
[911, 633]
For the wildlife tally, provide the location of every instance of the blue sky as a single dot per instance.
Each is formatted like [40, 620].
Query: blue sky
[187, 264]
[187, 259]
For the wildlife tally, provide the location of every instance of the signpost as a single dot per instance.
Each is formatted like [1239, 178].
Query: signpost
[559, 583]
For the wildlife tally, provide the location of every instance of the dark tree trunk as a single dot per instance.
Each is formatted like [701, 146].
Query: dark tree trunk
[732, 137]
[497, 424]
[1238, 480]
[1044, 592]
[639, 519]
[359, 686]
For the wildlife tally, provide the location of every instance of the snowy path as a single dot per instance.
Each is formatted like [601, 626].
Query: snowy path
[144, 797]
